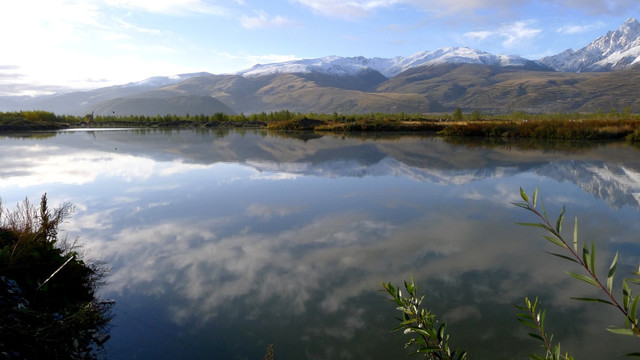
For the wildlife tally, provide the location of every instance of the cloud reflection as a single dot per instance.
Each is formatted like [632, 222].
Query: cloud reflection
[266, 228]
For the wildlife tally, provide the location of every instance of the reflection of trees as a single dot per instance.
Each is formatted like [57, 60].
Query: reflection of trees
[29, 135]
[524, 144]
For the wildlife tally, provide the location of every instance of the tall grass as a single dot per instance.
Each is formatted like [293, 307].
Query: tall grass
[48, 303]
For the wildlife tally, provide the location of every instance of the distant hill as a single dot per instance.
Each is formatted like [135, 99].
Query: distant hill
[603, 75]
[497, 89]
[179, 105]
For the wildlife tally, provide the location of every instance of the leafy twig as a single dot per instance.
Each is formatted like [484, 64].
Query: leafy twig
[531, 317]
[586, 260]
[431, 341]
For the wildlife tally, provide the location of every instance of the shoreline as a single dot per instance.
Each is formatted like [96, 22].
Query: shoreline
[518, 125]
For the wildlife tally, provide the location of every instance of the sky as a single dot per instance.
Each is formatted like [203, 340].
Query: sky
[58, 45]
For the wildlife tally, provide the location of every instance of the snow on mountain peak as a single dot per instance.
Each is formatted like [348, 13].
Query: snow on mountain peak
[389, 67]
[615, 50]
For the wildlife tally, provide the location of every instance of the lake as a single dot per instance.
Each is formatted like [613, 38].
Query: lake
[221, 243]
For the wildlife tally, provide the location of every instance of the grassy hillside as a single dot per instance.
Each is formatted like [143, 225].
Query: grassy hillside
[503, 90]
[178, 105]
[425, 89]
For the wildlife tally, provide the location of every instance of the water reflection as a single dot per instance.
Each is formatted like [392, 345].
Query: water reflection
[222, 243]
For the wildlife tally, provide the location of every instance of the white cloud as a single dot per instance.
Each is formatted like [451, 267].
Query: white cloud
[512, 34]
[262, 19]
[169, 7]
[347, 9]
[479, 35]
[518, 31]
[577, 29]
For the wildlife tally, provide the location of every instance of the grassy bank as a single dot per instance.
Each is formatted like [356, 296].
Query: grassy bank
[566, 126]
[48, 303]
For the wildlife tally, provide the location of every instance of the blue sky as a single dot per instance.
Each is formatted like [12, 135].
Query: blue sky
[53, 45]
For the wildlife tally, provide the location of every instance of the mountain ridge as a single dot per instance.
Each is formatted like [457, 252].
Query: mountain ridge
[388, 67]
[603, 75]
[616, 50]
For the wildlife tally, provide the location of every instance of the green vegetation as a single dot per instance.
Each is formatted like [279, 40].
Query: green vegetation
[48, 303]
[433, 342]
[428, 338]
[31, 120]
[566, 126]
[585, 260]
[531, 317]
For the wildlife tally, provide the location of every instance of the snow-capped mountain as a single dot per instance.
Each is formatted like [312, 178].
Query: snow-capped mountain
[455, 55]
[616, 50]
[389, 67]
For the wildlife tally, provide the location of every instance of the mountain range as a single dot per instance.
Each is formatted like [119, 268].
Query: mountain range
[603, 75]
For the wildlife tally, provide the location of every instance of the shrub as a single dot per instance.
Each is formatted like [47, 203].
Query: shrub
[48, 303]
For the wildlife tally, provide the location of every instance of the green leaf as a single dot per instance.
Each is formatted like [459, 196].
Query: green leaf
[429, 334]
[524, 195]
[585, 255]
[620, 331]
[586, 279]
[441, 331]
[575, 236]
[612, 272]
[535, 196]
[527, 323]
[560, 219]
[555, 241]
[522, 205]
[536, 336]
[593, 300]
[410, 321]
[634, 307]
[635, 354]
[562, 256]
[626, 294]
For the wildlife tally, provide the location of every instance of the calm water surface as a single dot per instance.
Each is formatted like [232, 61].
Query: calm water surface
[221, 243]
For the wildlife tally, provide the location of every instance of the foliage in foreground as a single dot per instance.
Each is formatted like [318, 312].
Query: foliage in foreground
[433, 341]
[427, 337]
[48, 303]
[586, 261]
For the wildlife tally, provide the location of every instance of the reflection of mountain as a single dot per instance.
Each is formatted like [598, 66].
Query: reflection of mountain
[608, 171]
[387, 166]
[617, 185]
